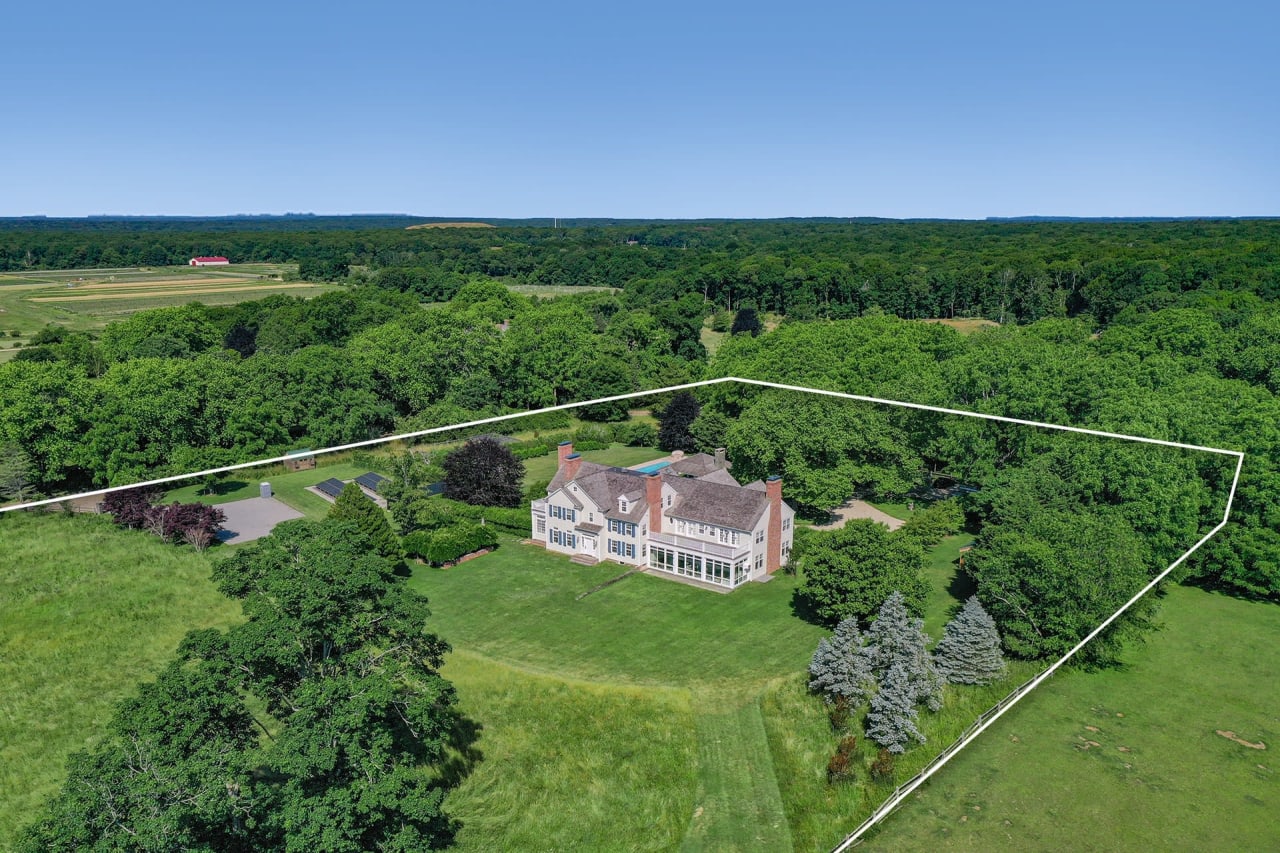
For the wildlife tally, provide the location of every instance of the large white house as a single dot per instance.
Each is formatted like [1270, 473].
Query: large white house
[686, 517]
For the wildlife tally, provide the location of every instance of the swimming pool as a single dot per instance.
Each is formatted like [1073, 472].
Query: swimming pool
[653, 466]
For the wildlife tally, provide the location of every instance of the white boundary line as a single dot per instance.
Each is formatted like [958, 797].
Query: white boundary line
[902, 793]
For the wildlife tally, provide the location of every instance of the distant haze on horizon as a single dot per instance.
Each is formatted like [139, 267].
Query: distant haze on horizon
[665, 111]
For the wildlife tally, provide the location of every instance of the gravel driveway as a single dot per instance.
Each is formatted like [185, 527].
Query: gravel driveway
[859, 509]
[253, 518]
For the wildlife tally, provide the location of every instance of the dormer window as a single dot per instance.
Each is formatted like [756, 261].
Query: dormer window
[622, 504]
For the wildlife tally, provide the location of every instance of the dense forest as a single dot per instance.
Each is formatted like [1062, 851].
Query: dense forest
[1006, 271]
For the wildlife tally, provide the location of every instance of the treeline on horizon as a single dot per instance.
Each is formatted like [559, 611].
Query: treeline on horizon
[1008, 271]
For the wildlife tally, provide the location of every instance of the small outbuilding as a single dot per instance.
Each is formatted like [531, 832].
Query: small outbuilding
[210, 261]
[300, 460]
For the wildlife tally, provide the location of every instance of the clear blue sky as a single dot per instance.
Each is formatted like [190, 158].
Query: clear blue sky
[655, 109]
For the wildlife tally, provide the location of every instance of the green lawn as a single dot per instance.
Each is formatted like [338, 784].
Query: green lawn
[949, 586]
[517, 606]
[1159, 777]
[655, 716]
[88, 611]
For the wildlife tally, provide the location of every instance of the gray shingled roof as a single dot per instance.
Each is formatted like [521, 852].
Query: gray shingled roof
[712, 497]
[697, 465]
[716, 503]
[720, 476]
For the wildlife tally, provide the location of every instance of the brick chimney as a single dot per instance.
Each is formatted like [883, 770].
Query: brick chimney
[773, 541]
[565, 448]
[653, 497]
[571, 464]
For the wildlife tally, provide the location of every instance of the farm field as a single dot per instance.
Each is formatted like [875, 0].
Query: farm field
[86, 300]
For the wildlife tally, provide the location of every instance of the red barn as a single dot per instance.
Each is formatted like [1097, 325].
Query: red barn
[215, 261]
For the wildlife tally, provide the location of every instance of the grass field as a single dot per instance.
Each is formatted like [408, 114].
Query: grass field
[557, 289]
[449, 225]
[1129, 758]
[964, 325]
[86, 300]
[654, 716]
[88, 612]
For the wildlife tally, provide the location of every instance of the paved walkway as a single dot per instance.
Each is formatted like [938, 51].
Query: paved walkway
[859, 509]
[253, 518]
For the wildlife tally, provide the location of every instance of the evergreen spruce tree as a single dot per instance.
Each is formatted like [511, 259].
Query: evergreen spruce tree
[969, 651]
[354, 506]
[898, 637]
[840, 667]
[892, 719]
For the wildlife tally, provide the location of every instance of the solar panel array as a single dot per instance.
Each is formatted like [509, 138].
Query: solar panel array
[371, 481]
[331, 487]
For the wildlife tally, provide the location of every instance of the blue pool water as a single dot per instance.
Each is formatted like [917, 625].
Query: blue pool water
[653, 466]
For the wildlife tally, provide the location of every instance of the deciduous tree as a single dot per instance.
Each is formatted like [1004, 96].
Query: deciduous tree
[675, 420]
[851, 571]
[485, 473]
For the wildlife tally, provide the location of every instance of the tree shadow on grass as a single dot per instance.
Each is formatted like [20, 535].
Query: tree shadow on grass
[224, 487]
[803, 609]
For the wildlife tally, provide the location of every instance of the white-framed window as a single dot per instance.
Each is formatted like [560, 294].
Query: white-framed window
[662, 559]
[759, 561]
[622, 549]
[626, 528]
[622, 504]
[759, 536]
[542, 526]
[561, 512]
[668, 500]
[563, 537]
[786, 524]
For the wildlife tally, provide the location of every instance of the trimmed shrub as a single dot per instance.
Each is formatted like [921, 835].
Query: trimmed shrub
[449, 544]
[636, 435]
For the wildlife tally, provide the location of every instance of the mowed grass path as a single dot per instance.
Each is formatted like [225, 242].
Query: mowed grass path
[88, 611]
[1128, 758]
